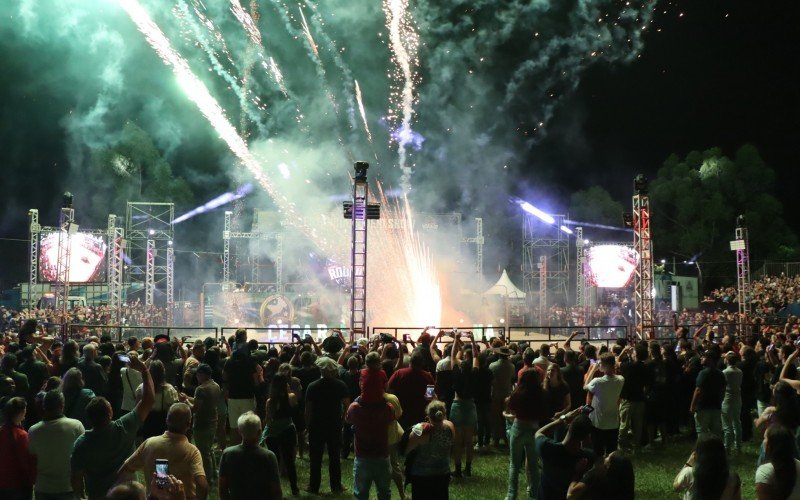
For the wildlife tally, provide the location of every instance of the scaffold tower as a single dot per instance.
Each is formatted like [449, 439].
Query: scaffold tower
[116, 243]
[478, 241]
[66, 226]
[742, 247]
[33, 253]
[149, 232]
[643, 244]
[580, 272]
[540, 239]
[542, 288]
[228, 234]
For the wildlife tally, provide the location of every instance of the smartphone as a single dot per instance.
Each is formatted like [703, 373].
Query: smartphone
[124, 358]
[354, 348]
[592, 361]
[162, 472]
[429, 394]
[587, 409]
[406, 337]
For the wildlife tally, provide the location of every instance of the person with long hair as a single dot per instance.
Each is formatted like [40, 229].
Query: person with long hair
[433, 441]
[556, 392]
[279, 433]
[527, 405]
[17, 465]
[610, 478]
[165, 396]
[76, 397]
[706, 474]
[785, 411]
[777, 479]
[463, 412]
[69, 357]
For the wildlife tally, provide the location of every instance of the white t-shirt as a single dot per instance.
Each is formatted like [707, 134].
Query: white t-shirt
[51, 442]
[765, 474]
[606, 390]
[131, 379]
[165, 398]
[685, 482]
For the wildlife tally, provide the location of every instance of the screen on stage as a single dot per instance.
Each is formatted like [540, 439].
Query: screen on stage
[610, 266]
[87, 257]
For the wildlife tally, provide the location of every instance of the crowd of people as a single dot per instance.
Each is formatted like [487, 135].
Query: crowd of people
[134, 313]
[84, 420]
[768, 295]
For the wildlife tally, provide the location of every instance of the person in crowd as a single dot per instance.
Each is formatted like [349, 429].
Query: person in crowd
[732, 404]
[8, 368]
[779, 476]
[298, 411]
[94, 377]
[131, 379]
[17, 465]
[31, 365]
[409, 385]
[657, 395]
[706, 473]
[190, 365]
[279, 434]
[241, 377]
[371, 423]
[632, 399]
[183, 457]
[573, 375]
[604, 392]
[115, 388]
[784, 412]
[433, 441]
[351, 376]
[556, 393]
[609, 478]
[749, 388]
[709, 392]
[528, 407]
[165, 396]
[76, 396]
[482, 391]
[99, 453]
[248, 471]
[543, 360]
[373, 379]
[50, 442]
[503, 376]
[69, 357]
[326, 400]
[395, 436]
[560, 459]
[463, 413]
[205, 405]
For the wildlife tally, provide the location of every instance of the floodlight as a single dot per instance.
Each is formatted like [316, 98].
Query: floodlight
[67, 200]
[361, 171]
[566, 229]
[535, 211]
[151, 232]
[740, 221]
[640, 184]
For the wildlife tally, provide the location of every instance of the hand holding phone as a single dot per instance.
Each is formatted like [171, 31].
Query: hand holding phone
[124, 358]
[429, 393]
[162, 472]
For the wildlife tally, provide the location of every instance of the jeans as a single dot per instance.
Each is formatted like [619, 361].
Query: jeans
[708, 422]
[631, 424]
[284, 446]
[318, 439]
[732, 423]
[204, 440]
[604, 441]
[369, 469]
[484, 426]
[497, 420]
[522, 445]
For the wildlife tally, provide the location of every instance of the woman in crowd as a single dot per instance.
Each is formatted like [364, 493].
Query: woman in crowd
[298, 412]
[463, 412]
[166, 395]
[610, 478]
[76, 397]
[130, 380]
[527, 405]
[657, 397]
[17, 465]
[69, 357]
[706, 474]
[785, 412]
[556, 392]
[777, 479]
[433, 440]
[279, 433]
[115, 387]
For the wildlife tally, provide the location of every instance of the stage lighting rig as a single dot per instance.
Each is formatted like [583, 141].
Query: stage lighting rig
[640, 185]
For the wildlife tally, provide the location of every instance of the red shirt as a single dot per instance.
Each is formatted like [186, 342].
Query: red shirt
[371, 425]
[17, 465]
[409, 385]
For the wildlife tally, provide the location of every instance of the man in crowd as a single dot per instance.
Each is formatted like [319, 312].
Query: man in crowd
[51, 441]
[98, 454]
[240, 377]
[560, 459]
[573, 376]
[207, 398]
[632, 404]
[94, 377]
[709, 391]
[183, 457]
[409, 385]
[326, 400]
[248, 471]
[502, 378]
[351, 376]
[605, 391]
[189, 366]
[8, 367]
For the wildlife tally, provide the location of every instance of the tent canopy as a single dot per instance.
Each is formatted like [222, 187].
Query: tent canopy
[505, 288]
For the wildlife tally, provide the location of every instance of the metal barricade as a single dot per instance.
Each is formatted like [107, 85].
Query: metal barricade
[120, 333]
[481, 333]
[285, 334]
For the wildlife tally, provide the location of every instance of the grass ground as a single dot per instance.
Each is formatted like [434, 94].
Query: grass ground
[654, 471]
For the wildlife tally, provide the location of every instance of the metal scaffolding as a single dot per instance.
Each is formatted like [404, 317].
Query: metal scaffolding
[147, 222]
[170, 284]
[116, 243]
[33, 253]
[228, 234]
[540, 239]
[478, 241]
[742, 247]
[66, 226]
[643, 244]
[542, 288]
[580, 272]
[358, 290]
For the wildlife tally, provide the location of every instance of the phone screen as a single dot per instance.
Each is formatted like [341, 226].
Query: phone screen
[429, 392]
[125, 359]
[162, 471]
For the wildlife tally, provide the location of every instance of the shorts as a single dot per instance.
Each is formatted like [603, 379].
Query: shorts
[463, 413]
[237, 408]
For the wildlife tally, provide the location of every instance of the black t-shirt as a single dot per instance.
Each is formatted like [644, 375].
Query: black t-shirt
[711, 383]
[351, 380]
[249, 472]
[573, 376]
[326, 394]
[635, 374]
[748, 367]
[658, 379]
[763, 375]
[558, 467]
[240, 369]
[306, 374]
[464, 381]
[554, 398]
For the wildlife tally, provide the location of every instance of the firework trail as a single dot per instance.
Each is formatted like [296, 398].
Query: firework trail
[362, 111]
[404, 45]
[198, 93]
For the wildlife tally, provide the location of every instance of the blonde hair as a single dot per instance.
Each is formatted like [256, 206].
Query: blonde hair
[436, 411]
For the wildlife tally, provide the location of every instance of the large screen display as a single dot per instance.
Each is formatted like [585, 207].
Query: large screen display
[610, 266]
[87, 258]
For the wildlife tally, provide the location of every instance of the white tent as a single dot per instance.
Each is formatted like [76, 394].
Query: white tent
[505, 288]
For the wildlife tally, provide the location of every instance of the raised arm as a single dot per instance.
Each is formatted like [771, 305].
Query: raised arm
[785, 371]
[145, 404]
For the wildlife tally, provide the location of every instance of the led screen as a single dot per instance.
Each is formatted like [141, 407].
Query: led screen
[610, 266]
[87, 258]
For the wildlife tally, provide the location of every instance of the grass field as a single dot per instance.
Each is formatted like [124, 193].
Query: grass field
[654, 471]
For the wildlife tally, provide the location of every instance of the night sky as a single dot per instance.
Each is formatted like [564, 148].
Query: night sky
[711, 73]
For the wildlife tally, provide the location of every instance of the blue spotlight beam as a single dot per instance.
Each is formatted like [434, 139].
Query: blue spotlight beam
[217, 202]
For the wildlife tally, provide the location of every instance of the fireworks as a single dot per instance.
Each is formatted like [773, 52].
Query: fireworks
[363, 112]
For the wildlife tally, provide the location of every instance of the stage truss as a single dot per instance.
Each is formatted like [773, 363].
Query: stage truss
[643, 279]
[542, 240]
[150, 232]
[255, 234]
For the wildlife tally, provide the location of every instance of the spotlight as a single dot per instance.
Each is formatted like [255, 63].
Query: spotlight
[67, 200]
[627, 219]
[566, 229]
[151, 232]
[640, 184]
[663, 261]
[740, 221]
[361, 171]
[169, 243]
